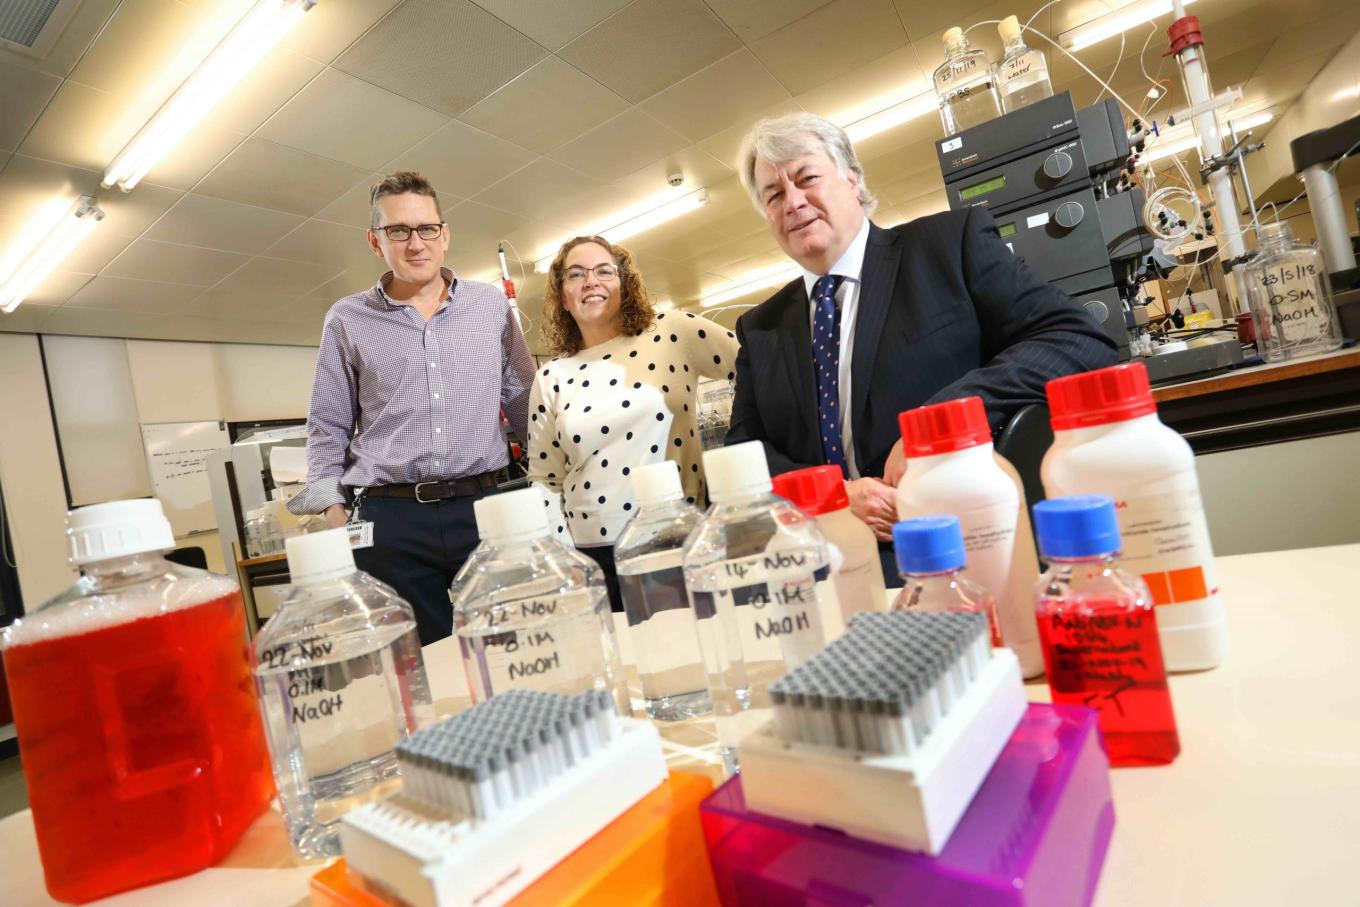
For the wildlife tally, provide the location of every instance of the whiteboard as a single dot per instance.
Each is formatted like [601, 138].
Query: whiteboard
[177, 456]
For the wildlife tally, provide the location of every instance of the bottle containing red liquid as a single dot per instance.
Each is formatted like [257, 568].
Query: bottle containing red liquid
[142, 743]
[930, 560]
[1098, 628]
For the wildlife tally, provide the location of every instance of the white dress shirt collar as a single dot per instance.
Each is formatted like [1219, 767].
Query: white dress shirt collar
[849, 265]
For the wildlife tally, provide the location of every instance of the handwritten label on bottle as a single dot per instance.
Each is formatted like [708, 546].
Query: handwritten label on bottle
[1298, 310]
[543, 644]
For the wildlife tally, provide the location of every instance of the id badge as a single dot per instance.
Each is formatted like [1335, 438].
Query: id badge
[360, 534]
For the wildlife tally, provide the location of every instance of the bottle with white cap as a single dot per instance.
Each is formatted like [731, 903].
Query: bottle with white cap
[964, 86]
[1022, 72]
[531, 612]
[340, 678]
[144, 753]
[752, 568]
[650, 552]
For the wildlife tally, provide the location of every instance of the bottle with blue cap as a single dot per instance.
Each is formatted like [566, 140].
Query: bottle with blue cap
[931, 559]
[1098, 629]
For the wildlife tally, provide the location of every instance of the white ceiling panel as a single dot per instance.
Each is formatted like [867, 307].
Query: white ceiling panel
[352, 208]
[124, 294]
[833, 40]
[445, 54]
[212, 223]
[754, 19]
[547, 106]
[147, 259]
[726, 145]
[552, 24]
[460, 160]
[90, 17]
[56, 289]
[545, 187]
[341, 118]
[225, 304]
[620, 146]
[472, 223]
[735, 89]
[867, 89]
[324, 243]
[24, 93]
[651, 45]
[333, 25]
[276, 176]
[274, 277]
[265, 89]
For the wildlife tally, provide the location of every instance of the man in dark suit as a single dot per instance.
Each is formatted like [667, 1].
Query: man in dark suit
[881, 320]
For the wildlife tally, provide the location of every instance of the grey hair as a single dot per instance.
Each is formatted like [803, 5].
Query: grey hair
[781, 139]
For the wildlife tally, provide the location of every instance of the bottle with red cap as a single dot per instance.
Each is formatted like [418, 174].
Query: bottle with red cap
[1107, 439]
[952, 469]
[856, 580]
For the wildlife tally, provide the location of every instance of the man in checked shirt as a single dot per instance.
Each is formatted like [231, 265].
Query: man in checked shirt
[404, 425]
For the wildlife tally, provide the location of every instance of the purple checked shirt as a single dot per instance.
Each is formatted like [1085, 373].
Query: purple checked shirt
[399, 399]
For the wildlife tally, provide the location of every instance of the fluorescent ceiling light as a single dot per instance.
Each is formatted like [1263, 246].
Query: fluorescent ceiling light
[43, 245]
[896, 115]
[249, 40]
[631, 221]
[750, 282]
[1177, 140]
[1115, 22]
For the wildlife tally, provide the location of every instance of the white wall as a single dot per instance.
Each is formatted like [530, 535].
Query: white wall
[35, 499]
[1299, 494]
[96, 411]
[103, 390]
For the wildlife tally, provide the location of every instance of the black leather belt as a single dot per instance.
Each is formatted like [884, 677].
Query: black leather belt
[429, 492]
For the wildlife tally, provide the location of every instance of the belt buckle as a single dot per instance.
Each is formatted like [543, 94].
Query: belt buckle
[419, 499]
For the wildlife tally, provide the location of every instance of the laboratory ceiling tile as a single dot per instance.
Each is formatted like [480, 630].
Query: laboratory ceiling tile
[545, 107]
[552, 24]
[339, 117]
[276, 176]
[147, 259]
[833, 40]
[651, 45]
[445, 54]
[734, 89]
[620, 146]
[212, 223]
[462, 160]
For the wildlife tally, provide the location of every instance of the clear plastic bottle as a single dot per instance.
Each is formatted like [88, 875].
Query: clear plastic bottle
[340, 678]
[952, 468]
[1099, 631]
[144, 754]
[930, 560]
[1022, 73]
[1290, 297]
[531, 612]
[965, 85]
[752, 568]
[1107, 439]
[650, 553]
[856, 581]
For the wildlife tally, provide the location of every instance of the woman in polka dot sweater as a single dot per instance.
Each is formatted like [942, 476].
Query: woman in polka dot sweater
[621, 393]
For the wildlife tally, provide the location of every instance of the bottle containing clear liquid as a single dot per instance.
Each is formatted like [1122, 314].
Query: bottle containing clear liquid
[1290, 297]
[931, 558]
[1022, 74]
[650, 552]
[532, 613]
[965, 85]
[856, 573]
[340, 679]
[752, 569]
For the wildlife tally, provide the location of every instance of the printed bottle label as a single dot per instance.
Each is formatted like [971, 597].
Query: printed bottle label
[1166, 541]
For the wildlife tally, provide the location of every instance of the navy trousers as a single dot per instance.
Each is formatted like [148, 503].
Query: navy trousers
[417, 550]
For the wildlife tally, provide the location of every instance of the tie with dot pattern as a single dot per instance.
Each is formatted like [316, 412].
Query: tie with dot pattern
[826, 354]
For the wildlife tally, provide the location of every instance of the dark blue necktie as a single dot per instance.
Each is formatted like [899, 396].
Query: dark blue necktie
[826, 354]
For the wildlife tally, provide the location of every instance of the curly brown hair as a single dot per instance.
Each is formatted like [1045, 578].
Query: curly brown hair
[636, 314]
